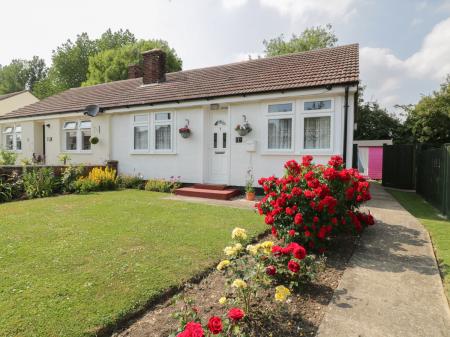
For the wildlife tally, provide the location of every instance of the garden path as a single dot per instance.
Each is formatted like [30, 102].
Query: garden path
[392, 285]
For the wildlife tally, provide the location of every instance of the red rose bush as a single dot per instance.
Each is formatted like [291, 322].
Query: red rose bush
[312, 203]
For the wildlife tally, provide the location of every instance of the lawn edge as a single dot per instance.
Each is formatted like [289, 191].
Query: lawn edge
[127, 320]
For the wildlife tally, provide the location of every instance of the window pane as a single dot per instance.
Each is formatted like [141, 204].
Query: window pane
[285, 107]
[71, 140]
[85, 124]
[18, 128]
[162, 116]
[141, 137]
[224, 140]
[215, 140]
[318, 105]
[9, 142]
[70, 125]
[162, 137]
[140, 118]
[85, 136]
[280, 133]
[18, 141]
[317, 132]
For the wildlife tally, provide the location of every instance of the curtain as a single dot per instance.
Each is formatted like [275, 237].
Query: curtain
[141, 137]
[317, 132]
[280, 133]
[162, 137]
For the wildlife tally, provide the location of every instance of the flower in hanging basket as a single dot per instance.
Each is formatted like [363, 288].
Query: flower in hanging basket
[243, 129]
[94, 140]
[185, 132]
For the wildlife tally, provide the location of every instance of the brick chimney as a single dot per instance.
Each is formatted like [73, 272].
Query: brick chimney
[134, 71]
[153, 66]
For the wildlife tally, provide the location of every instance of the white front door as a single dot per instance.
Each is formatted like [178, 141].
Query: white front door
[218, 147]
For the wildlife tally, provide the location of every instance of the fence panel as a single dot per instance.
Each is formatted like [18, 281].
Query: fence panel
[399, 166]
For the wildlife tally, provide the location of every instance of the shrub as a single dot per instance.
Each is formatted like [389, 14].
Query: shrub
[7, 157]
[312, 203]
[6, 191]
[128, 181]
[85, 185]
[105, 178]
[38, 182]
[163, 185]
[69, 176]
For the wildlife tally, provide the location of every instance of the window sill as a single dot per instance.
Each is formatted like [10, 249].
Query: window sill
[277, 153]
[77, 151]
[134, 152]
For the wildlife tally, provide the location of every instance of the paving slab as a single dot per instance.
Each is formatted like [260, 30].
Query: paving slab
[392, 286]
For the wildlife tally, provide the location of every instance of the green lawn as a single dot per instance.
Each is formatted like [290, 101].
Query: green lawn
[72, 264]
[438, 228]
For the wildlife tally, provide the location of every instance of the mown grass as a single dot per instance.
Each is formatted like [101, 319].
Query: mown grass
[70, 265]
[438, 228]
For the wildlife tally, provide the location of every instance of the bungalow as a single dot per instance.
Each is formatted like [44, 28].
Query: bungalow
[208, 125]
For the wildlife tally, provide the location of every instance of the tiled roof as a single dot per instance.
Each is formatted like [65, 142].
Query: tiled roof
[5, 96]
[338, 65]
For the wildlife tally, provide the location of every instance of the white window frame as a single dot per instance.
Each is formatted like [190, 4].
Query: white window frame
[151, 123]
[279, 115]
[78, 131]
[317, 113]
[14, 134]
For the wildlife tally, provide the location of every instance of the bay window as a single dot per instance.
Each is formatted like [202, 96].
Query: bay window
[12, 138]
[153, 132]
[76, 135]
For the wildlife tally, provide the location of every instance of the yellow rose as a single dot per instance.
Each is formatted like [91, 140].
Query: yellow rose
[267, 247]
[239, 234]
[233, 251]
[282, 293]
[239, 284]
[223, 264]
[252, 249]
[223, 300]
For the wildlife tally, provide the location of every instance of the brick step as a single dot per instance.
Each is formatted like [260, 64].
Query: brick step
[210, 186]
[224, 194]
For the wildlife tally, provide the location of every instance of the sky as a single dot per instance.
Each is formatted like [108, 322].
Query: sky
[404, 45]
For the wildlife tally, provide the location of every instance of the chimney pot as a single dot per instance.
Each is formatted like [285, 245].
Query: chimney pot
[134, 71]
[153, 66]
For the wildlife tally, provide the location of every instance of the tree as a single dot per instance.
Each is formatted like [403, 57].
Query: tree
[112, 65]
[429, 120]
[309, 39]
[21, 74]
[376, 123]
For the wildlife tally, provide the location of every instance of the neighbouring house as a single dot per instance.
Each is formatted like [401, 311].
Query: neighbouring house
[370, 157]
[15, 100]
[184, 123]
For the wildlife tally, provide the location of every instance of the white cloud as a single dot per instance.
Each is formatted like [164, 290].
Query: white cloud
[311, 10]
[232, 4]
[389, 77]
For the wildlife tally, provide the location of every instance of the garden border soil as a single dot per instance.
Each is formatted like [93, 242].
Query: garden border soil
[301, 317]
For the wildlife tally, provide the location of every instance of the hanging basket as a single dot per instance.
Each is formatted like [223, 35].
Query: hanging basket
[243, 132]
[185, 132]
[94, 140]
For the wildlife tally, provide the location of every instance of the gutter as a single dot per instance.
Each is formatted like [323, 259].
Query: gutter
[344, 151]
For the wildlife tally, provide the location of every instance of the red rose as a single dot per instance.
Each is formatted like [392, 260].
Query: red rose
[316, 219]
[236, 314]
[298, 219]
[274, 232]
[271, 270]
[192, 329]
[269, 219]
[299, 253]
[215, 325]
[276, 250]
[293, 266]
[289, 211]
[291, 232]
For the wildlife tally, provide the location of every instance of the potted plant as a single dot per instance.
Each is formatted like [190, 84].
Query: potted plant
[249, 189]
[243, 129]
[185, 132]
[94, 140]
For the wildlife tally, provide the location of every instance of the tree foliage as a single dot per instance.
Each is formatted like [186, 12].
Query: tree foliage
[112, 64]
[429, 120]
[309, 39]
[21, 74]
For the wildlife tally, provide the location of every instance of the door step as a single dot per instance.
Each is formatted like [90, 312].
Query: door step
[218, 192]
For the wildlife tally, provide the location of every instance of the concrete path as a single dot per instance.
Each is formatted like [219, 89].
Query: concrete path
[392, 286]
[235, 203]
